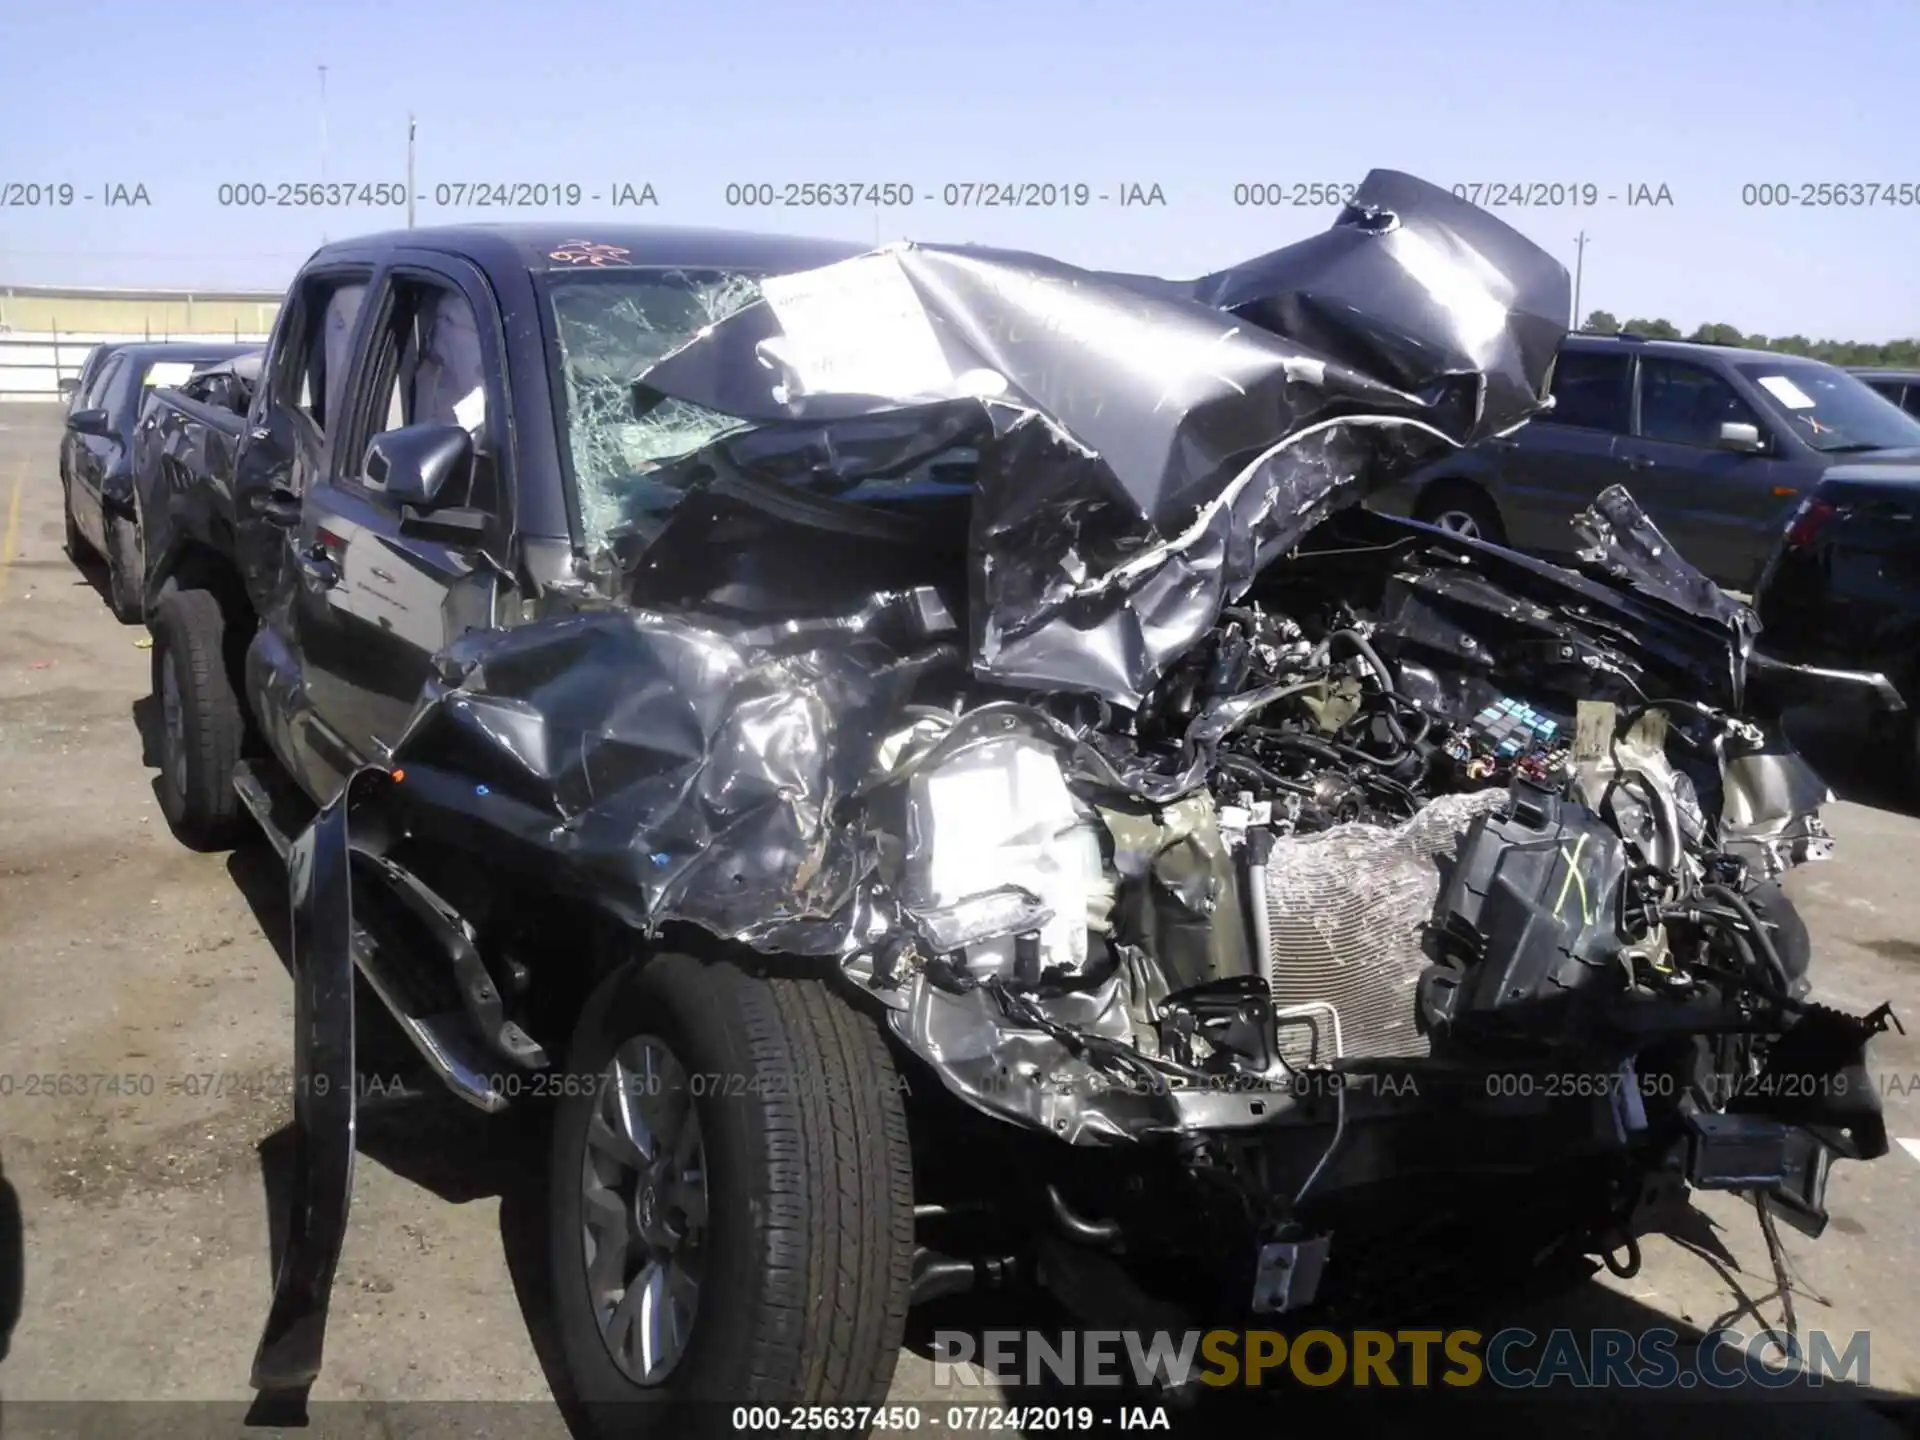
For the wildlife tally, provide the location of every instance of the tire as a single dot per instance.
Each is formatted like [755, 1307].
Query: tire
[126, 570]
[805, 1259]
[1463, 508]
[203, 725]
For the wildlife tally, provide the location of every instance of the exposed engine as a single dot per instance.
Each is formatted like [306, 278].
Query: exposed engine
[1381, 865]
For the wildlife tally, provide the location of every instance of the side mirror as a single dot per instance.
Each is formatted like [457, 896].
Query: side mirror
[1734, 435]
[89, 422]
[424, 466]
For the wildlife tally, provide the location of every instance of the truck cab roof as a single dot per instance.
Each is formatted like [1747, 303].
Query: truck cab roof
[540, 246]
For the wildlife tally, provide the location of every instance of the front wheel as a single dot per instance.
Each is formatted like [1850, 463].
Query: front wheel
[730, 1211]
[1464, 509]
[202, 723]
[126, 569]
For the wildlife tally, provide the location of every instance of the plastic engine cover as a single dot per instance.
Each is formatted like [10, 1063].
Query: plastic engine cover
[1529, 918]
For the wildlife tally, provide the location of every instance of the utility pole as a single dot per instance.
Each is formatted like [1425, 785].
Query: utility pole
[1579, 265]
[409, 170]
[323, 144]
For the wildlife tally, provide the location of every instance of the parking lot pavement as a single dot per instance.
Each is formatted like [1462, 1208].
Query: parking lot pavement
[144, 1022]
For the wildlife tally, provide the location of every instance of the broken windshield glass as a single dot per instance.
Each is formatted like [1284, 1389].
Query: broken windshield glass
[609, 328]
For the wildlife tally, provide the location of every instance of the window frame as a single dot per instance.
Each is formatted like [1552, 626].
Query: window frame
[1629, 374]
[97, 390]
[1754, 416]
[124, 368]
[291, 357]
[374, 371]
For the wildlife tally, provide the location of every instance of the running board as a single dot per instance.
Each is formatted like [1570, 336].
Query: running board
[445, 1041]
[253, 794]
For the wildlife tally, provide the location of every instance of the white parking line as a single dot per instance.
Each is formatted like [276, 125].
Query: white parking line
[1912, 1147]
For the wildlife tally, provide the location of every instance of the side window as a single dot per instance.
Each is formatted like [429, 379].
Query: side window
[96, 392]
[432, 371]
[116, 393]
[1593, 392]
[90, 370]
[441, 376]
[320, 354]
[1912, 403]
[1687, 404]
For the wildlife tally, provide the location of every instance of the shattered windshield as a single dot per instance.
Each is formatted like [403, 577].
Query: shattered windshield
[609, 328]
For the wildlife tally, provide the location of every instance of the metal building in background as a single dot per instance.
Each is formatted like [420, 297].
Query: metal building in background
[47, 330]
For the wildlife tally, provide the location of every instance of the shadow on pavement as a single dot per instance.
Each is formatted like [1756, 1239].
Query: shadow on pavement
[1689, 1407]
[1854, 770]
[13, 1262]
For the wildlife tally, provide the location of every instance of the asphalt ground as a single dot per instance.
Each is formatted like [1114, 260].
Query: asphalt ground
[142, 1210]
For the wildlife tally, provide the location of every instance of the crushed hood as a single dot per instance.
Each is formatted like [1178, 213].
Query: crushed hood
[1143, 446]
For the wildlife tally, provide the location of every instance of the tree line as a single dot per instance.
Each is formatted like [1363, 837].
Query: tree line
[1895, 354]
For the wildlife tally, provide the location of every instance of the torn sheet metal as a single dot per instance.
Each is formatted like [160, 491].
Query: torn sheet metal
[1622, 539]
[1143, 451]
[665, 769]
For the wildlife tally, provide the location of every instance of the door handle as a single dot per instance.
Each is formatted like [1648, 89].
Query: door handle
[319, 567]
[1639, 462]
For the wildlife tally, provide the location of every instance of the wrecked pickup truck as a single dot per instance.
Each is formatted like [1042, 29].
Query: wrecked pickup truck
[183, 456]
[925, 754]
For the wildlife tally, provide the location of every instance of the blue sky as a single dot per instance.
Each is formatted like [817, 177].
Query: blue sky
[1700, 96]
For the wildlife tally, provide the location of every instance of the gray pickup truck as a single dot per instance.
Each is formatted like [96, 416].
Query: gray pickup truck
[917, 763]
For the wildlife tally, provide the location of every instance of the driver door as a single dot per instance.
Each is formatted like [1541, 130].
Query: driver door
[1718, 507]
[400, 583]
[91, 456]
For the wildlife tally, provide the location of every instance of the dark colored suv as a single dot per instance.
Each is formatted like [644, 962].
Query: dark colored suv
[1719, 445]
[1902, 387]
[1843, 589]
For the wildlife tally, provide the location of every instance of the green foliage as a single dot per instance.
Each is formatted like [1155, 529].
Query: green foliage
[1653, 329]
[1894, 354]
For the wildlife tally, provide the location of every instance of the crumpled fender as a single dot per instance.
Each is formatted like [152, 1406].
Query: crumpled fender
[321, 1187]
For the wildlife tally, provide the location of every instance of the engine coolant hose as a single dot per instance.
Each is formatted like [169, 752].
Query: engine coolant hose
[1324, 650]
[1762, 941]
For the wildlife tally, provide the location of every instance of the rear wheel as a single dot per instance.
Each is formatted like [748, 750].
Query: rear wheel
[126, 569]
[731, 1203]
[1462, 508]
[203, 725]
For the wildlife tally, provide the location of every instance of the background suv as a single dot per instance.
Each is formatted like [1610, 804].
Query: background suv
[1902, 387]
[1719, 445]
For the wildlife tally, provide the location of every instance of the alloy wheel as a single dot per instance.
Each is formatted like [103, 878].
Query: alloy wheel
[644, 1208]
